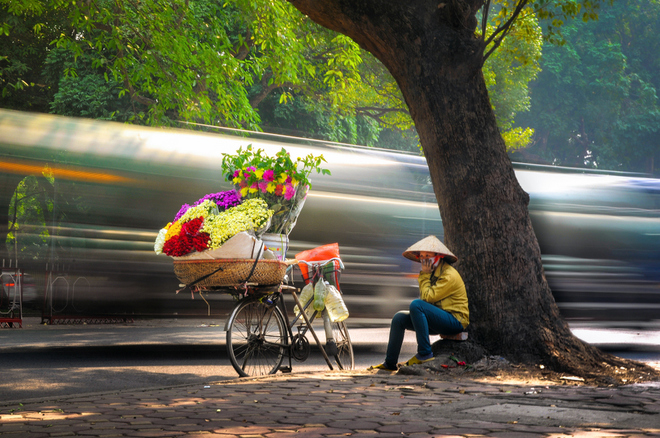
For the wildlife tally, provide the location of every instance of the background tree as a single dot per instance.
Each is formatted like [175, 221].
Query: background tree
[596, 103]
[26, 32]
[435, 53]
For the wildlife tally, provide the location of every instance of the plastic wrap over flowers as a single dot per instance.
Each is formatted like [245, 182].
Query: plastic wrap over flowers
[286, 209]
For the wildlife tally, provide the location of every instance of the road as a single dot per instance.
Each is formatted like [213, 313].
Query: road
[46, 362]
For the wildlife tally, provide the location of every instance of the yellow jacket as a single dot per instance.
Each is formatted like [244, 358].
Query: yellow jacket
[447, 293]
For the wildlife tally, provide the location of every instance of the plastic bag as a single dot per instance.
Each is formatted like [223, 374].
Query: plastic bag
[305, 295]
[324, 252]
[334, 302]
[319, 295]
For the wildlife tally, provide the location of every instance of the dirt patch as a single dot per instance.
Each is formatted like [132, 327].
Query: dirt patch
[466, 360]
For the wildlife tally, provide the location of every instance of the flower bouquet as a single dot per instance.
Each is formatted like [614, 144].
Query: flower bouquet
[219, 223]
[210, 222]
[280, 181]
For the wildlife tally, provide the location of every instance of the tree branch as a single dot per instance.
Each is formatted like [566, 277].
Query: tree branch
[242, 51]
[503, 30]
[266, 89]
[484, 19]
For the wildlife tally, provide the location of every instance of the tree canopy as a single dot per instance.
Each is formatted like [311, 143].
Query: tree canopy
[250, 64]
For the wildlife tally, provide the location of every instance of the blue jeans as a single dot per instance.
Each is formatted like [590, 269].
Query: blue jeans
[424, 319]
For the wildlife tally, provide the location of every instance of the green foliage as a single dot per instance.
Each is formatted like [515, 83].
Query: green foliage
[596, 102]
[28, 236]
[555, 13]
[508, 72]
[282, 166]
[25, 41]
[85, 91]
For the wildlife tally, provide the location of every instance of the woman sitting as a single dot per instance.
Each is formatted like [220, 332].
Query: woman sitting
[442, 307]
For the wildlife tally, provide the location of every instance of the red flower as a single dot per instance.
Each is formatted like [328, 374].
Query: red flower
[188, 239]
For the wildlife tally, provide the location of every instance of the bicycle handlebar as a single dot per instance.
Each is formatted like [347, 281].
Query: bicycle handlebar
[320, 263]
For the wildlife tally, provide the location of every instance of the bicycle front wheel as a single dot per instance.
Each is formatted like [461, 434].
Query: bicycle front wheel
[344, 356]
[256, 338]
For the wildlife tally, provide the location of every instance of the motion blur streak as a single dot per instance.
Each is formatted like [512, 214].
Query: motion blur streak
[57, 172]
[374, 200]
[84, 233]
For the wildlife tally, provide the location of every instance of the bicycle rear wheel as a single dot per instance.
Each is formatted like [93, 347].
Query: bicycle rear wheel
[344, 356]
[257, 338]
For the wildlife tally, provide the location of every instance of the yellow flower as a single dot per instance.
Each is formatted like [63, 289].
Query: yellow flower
[251, 214]
[270, 188]
[204, 210]
[253, 190]
[173, 230]
[259, 173]
[282, 178]
[294, 182]
[244, 191]
[236, 180]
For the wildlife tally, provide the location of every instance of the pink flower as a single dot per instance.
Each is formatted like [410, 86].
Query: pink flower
[263, 186]
[290, 192]
[254, 186]
[247, 171]
[269, 175]
[236, 174]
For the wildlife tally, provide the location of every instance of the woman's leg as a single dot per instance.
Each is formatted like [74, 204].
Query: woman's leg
[400, 323]
[429, 319]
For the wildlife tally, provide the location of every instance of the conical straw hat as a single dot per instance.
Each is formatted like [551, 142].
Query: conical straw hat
[430, 244]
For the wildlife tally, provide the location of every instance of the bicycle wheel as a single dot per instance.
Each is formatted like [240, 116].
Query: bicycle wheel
[256, 338]
[344, 356]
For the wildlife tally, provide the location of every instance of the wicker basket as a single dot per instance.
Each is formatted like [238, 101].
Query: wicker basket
[230, 272]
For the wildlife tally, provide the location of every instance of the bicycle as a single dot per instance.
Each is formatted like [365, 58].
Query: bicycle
[260, 334]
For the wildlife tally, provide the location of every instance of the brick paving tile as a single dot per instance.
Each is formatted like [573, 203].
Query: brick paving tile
[539, 429]
[468, 431]
[209, 435]
[354, 424]
[99, 433]
[327, 431]
[25, 434]
[154, 434]
[406, 427]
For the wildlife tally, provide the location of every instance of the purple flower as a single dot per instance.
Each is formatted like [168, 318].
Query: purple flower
[223, 200]
[182, 211]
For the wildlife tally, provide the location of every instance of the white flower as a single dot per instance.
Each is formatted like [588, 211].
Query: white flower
[160, 241]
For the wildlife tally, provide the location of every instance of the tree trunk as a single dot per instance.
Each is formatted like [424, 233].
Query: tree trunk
[431, 50]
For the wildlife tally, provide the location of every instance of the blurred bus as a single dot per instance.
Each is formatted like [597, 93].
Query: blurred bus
[81, 203]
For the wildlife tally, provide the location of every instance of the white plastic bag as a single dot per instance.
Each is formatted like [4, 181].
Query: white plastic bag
[334, 302]
[305, 295]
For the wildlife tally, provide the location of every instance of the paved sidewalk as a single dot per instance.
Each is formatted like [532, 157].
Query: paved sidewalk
[356, 404]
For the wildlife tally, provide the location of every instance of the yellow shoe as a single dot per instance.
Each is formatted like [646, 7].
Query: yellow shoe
[414, 361]
[382, 366]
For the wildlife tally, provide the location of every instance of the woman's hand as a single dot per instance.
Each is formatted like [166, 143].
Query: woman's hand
[427, 266]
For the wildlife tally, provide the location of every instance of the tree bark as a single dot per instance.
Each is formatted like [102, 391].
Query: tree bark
[433, 53]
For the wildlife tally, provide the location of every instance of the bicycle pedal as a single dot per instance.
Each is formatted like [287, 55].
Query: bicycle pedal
[331, 348]
[285, 370]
